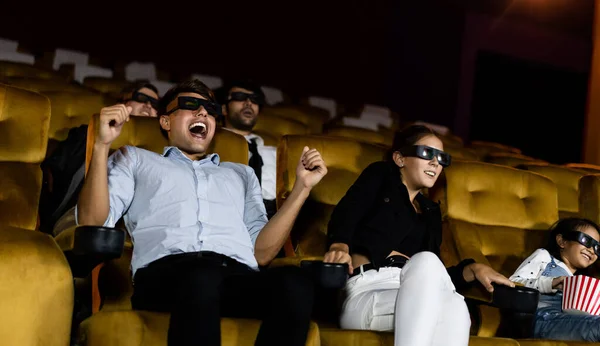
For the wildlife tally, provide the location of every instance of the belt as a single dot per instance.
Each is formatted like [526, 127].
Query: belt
[392, 261]
[219, 259]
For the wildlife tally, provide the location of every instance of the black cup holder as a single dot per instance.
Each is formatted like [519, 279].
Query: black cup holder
[517, 299]
[327, 275]
[93, 245]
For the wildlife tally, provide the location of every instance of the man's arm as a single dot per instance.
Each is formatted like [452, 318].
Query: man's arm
[93, 205]
[310, 170]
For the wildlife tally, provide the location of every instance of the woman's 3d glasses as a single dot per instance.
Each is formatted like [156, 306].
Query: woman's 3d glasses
[194, 103]
[584, 240]
[427, 153]
[241, 96]
[143, 98]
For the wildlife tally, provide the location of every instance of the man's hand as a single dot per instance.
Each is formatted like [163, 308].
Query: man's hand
[311, 168]
[111, 122]
[485, 275]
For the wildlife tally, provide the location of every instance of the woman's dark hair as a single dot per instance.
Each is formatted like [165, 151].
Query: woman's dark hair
[564, 226]
[129, 89]
[409, 136]
[189, 86]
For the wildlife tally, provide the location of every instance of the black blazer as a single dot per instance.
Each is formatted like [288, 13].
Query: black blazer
[376, 215]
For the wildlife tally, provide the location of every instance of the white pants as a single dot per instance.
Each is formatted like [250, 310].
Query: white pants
[418, 302]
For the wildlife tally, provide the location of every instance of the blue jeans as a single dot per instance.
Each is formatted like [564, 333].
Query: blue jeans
[551, 323]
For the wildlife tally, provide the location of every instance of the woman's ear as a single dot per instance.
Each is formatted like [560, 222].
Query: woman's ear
[164, 123]
[398, 159]
[224, 109]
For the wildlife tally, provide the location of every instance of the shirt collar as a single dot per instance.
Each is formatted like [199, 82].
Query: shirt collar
[174, 152]
[259, 141]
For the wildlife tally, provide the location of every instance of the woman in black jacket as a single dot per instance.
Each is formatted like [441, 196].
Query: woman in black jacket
[390, 235]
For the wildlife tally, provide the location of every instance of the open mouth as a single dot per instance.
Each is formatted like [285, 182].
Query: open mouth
[247, 112]
[430, 173]
[198, 130]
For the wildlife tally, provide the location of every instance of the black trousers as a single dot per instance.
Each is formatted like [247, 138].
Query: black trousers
[200, 288]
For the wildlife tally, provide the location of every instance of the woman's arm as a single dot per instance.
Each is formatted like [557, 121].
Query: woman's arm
[350, 211]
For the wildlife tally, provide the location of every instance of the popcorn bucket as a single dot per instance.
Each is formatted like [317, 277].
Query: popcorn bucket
[581, 295]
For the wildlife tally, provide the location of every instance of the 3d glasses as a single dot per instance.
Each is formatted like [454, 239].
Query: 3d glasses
[242, 96]
[427, 153]
[143, 98]
[584, 240]
[194, 103]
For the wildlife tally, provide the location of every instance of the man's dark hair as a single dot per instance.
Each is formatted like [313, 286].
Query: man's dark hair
[247, 84]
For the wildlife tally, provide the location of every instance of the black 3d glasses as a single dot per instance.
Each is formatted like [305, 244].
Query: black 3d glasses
[194, 103]
[143, 98]
[241, 96]
[427, 153]
[584, 240]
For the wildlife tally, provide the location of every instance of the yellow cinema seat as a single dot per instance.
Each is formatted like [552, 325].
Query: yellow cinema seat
[36, 293]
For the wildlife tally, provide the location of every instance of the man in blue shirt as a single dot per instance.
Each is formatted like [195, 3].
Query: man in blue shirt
[199, 225]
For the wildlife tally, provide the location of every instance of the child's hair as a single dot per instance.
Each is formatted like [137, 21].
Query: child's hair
[564, 226]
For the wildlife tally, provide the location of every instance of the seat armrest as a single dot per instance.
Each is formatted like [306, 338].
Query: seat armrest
[294, 261]
[326, 275]
[87, 246]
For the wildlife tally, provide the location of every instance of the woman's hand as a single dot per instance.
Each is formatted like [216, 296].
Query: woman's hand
[338, 253]
[486, 275]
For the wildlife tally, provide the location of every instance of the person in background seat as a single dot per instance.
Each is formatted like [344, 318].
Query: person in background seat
[242, 102]
[142, 97]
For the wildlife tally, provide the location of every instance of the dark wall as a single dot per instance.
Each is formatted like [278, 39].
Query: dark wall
[403, 54]
[316, 47]
[423, 61]
[536, 107]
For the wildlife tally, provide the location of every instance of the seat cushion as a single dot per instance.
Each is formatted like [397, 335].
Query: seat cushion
[339, 337]
[36, 290]
[134, 328]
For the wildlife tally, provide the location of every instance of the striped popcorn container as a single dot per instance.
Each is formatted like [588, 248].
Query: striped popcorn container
[581, 295]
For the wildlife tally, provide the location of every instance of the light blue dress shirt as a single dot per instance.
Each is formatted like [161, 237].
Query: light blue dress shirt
[171, 204]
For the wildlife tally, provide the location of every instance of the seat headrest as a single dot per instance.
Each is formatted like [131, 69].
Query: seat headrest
[496, 195]
[24, 122]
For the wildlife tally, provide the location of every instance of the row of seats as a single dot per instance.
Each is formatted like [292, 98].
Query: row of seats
[346, 159]
[474, 189]
[75, 101]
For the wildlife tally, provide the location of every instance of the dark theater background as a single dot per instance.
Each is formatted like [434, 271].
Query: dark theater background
[475, 66]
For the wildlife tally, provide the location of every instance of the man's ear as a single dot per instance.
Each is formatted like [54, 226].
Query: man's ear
[224, 110]
[398, 159]
[165, 123]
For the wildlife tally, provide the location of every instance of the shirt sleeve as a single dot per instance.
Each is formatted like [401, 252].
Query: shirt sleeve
[530, 272]
[255, 214]
[121, 183]
[351, 209]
